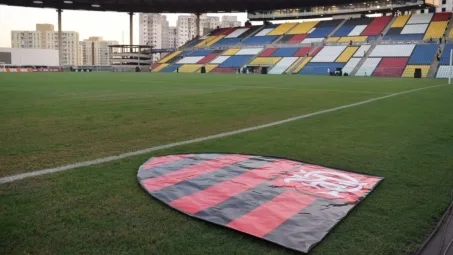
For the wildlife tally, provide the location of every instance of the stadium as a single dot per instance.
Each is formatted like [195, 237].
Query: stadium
[321, 128]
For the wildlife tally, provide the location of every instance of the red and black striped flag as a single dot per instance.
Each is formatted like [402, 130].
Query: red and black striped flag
[291, 203]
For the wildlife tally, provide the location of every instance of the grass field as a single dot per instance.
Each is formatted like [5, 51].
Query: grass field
[50, 120]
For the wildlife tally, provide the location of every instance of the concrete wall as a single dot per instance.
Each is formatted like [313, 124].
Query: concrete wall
[35, 57]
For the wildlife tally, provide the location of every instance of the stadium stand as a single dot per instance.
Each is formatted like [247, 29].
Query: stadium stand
[306, 48]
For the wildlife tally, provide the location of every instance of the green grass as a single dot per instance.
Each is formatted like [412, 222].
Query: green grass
[53, 119]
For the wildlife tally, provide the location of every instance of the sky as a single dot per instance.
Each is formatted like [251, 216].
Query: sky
[109, 25]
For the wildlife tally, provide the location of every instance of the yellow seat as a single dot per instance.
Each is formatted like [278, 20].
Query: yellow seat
[189, 68]
[303, 63]
[436, 29]
[282, 29]
[159, 68]
[209, 68]
[353, 38]
[333, 39]
[170, 56]
[296, 63]
[410, 69]
[303, 28]
[265, 61]
[347, 54]
[230, 52]
[401, 21]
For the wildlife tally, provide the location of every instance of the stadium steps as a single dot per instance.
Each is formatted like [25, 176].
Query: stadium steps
[435, 64]
[336, 29]
[367, 54]
[449, 31]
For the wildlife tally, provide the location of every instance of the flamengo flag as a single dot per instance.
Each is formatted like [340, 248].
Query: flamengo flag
[287, 202]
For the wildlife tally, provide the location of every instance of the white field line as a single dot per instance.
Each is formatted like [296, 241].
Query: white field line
[17, 177]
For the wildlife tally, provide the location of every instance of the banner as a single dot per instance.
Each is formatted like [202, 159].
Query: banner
[287, 202]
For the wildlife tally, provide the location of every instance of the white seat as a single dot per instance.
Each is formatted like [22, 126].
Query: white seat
[404, 50]
[352, 63]
[282, 65]
[368, 67]
[328, 54]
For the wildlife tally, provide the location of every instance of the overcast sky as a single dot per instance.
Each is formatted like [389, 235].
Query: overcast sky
[109, 25]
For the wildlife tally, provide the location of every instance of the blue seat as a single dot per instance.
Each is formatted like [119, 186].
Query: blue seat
[343, 31]
[320, 68]
[226, 42]
[321, 32]
[171, 68]
[236, 61]
[285, 52]
[260, 40]
[423, 54]
[199, 53]
[445, 57]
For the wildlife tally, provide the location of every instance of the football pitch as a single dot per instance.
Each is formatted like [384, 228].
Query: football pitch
[55, 119]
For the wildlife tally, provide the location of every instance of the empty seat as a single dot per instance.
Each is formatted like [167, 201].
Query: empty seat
[414, 29]
[264, 32]
[159, 67]
[268, 52]
[320, 68]
[400, 21]
[209, 68]
[368, 67]
[390, 67]
[226, 42]
[328, 54]
[238, 32]
[436, 29]
[220, 59]
[400, 50]
[282, 29]
[235, 61]
[377, 26]
[299, 64]
[200, 53]
[170, 57]
[423, 54]
[251, 51]
[353, 39]
[190, 60]
[230, 52]
[171, 68]
[410, 70]
[189, 68]
[265, 61]
[443, 72]
[349, 67]
[285, 52]
[208, 58]
[259, 40]
[302, 52]
[347, 54]
[445, 57]
[442, 16]
[357, 30]
[282, 65]
[420, 18]
[303, 28]
[362, 51]
[344, 31]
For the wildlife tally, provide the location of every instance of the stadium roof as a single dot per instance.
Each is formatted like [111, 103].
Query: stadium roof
[173, 6]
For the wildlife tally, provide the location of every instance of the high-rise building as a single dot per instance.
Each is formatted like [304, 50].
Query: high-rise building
[187, 29]
[230, 21]
[154, 31]
[172, 37]
[45, 37]
[95, 51]
[445, 6]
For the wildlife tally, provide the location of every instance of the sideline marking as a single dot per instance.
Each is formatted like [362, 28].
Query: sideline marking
[17, 177]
